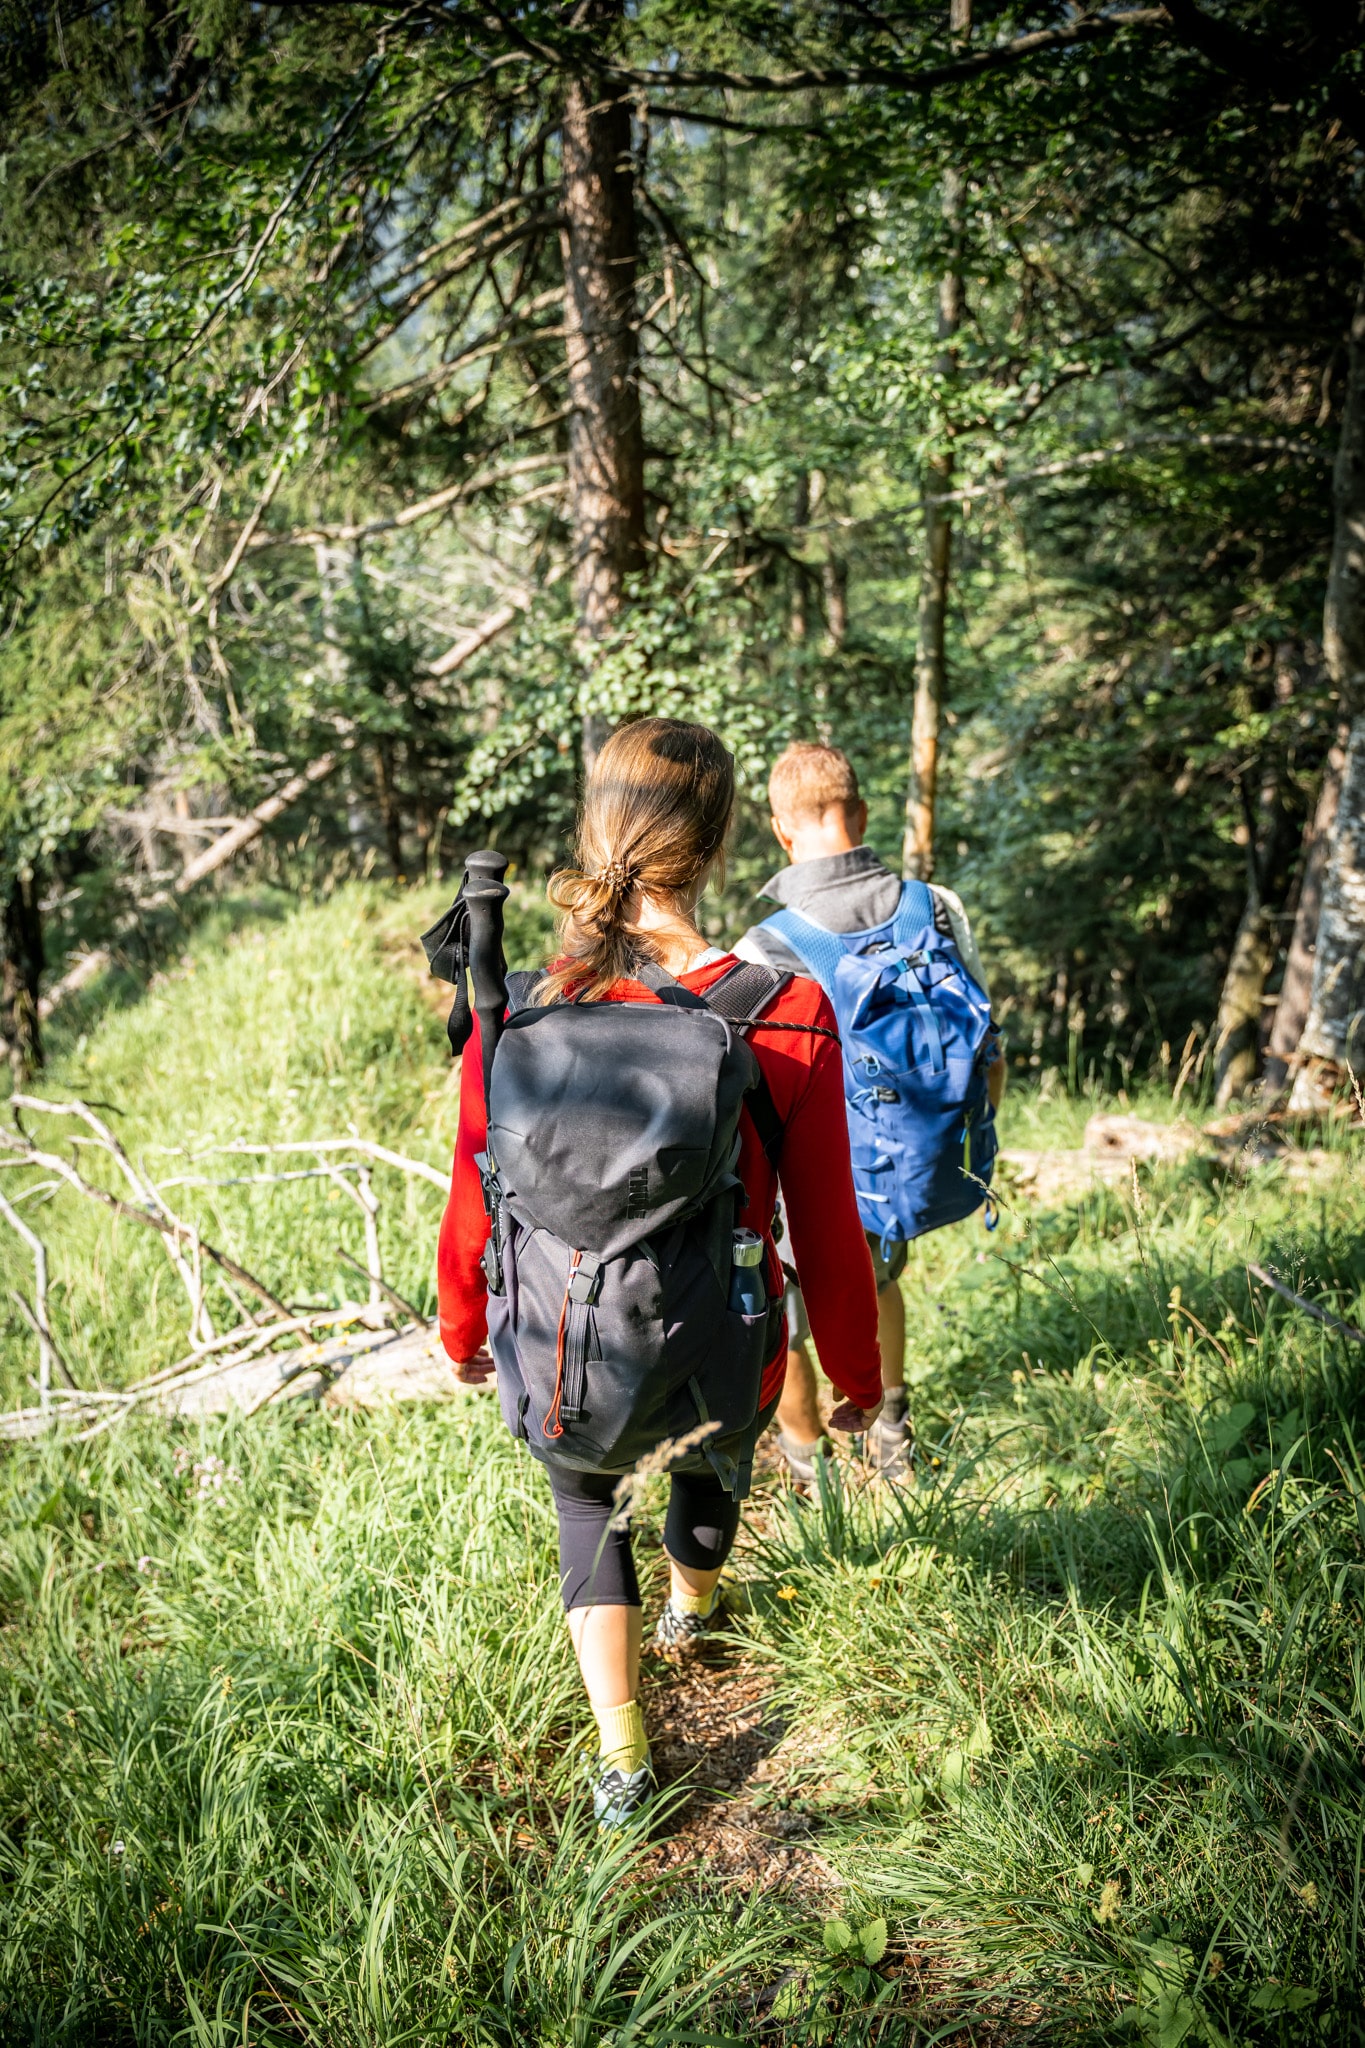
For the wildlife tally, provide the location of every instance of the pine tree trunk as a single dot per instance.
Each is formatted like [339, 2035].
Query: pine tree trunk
[20, 974]
[1291, 1011]
[1334, 1035]
[600, 248]
[930, 659]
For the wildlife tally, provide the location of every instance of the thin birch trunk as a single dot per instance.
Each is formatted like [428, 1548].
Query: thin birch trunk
[1333, 1041]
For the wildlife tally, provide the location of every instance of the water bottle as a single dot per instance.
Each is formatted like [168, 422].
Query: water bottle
[748, 1293]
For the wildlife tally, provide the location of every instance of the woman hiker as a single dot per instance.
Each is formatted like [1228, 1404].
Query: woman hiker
[655, 815]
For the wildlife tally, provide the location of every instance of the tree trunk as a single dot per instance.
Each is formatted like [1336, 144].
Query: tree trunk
[600, 248]
[834, 576]
[1291, 1012]
[1237, 1034]
[1334, 1035]
[930, 674]
[1333, 1044]
[21, 973]
[930, 661]
[800, 604]
[390, 810]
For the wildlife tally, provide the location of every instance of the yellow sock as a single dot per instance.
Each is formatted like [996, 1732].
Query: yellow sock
[621, 1731]
[702, 1604]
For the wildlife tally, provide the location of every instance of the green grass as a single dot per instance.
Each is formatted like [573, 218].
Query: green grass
[291, 1740]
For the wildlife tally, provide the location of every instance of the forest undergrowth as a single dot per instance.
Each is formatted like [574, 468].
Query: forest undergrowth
[1069, 1728]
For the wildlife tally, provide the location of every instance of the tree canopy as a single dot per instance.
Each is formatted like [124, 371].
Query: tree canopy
[429, 387]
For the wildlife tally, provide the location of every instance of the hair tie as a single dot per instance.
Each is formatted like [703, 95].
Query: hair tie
[617, 875]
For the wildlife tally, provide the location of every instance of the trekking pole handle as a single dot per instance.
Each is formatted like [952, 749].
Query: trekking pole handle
[486, 866]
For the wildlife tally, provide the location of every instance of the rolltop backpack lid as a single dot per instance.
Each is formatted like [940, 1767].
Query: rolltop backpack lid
[609, 1121]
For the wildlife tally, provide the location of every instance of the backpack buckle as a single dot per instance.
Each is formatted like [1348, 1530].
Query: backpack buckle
[586, 1284]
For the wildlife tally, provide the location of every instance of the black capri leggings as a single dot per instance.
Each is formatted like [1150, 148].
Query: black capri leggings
[596, 1563]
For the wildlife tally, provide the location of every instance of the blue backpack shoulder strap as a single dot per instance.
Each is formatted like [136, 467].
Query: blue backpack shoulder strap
[914, 911]
[818, 951]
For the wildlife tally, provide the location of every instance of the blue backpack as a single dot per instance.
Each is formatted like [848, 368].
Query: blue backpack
[916, 1033]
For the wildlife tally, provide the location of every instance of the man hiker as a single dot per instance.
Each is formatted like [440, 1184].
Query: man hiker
[836, 883]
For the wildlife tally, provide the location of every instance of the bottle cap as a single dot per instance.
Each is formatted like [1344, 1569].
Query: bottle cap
[746, 1248]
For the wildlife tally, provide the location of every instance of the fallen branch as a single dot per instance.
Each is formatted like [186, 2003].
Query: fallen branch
[144, 1193]
[246, 831]
[251, 1149]
[36, 1314]
[127, 1210]
[469, 644]
[85, 969]
[390, 1293]
[241, 833]
[1310, 1308]
[310, 536]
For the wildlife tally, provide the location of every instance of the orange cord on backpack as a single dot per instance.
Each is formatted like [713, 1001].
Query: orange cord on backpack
[552, 1426]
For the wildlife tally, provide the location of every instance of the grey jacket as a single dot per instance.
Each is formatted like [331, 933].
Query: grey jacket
[851, 892]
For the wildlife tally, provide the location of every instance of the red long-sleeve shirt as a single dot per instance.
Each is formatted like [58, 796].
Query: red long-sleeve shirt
[804, 1075]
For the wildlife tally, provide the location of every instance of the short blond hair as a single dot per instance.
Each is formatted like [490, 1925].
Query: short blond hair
[808, 778]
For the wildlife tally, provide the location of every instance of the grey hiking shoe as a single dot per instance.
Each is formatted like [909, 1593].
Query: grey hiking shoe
[889, 1448]
[617, 1795]
[801, 1457]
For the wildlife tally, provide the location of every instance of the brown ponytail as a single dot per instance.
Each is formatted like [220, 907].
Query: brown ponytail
[654, 818]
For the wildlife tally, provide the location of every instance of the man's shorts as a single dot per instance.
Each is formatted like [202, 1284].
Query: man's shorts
[884, 1271]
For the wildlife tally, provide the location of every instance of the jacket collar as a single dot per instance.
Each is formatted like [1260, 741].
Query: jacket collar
[793, 884]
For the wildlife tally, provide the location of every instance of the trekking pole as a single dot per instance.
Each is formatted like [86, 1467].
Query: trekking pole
[484, 895]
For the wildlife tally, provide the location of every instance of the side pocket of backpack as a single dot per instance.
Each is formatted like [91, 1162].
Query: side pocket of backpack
[514, 1397]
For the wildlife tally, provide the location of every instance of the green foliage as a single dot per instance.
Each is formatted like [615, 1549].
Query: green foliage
[278, 277]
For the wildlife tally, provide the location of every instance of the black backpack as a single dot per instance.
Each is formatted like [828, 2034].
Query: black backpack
[610, 1183]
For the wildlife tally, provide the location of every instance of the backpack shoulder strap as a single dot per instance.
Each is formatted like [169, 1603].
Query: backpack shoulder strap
[668, 988]
[745, 991]
[521, 986]
[741, 996]
[914, 911]
[818, 951]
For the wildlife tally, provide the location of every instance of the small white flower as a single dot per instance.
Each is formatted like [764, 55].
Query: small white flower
[118, 1848]
[144, 1564]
